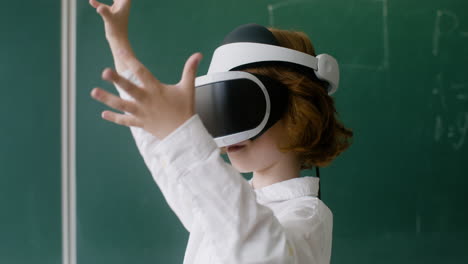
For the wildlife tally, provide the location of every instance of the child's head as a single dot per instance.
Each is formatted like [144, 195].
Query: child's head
[309, 134]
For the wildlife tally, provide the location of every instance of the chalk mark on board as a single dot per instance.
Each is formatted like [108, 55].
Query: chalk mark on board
[386, 57]
[451, 132]
[455, 130]
[438, 129]
[271, 8]
[437, 28]
[462, 127]
[385, 64]
[440, 90]
[460, 87]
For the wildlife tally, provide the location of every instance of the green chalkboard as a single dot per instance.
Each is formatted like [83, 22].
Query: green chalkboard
[398, 194]
[30, 188]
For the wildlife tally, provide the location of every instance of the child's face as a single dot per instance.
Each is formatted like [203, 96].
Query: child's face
[262, 152]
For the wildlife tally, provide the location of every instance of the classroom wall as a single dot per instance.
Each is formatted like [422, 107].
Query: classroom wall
[30, 191]
[398, 194]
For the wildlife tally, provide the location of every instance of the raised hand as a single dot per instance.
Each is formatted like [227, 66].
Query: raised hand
[115, 17]
[158, 108]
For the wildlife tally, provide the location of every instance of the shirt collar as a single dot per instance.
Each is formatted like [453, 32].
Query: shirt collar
[288, 189]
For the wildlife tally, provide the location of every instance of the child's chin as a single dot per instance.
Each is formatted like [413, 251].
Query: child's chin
[241, 167]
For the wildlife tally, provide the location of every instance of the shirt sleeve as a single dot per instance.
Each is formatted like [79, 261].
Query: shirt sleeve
[196, 181]
[146, 143]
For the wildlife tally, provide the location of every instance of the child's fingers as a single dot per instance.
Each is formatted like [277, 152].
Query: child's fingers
[104, 11]
[133, 90]
[96, 4]
[114, 101]
[124, 120]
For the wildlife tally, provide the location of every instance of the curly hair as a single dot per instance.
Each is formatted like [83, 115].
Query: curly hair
[313, 129]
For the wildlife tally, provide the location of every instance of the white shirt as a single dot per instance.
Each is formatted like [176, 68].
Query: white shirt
[228, 220]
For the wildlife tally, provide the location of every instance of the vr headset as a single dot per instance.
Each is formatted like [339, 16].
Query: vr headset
[235, 105]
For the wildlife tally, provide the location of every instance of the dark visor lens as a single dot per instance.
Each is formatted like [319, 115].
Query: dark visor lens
[229, 107]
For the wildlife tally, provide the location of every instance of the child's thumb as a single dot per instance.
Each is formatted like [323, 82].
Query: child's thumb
[190, 71]
[103, 11]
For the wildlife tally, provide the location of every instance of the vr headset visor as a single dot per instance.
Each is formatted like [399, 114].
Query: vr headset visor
[235, 105]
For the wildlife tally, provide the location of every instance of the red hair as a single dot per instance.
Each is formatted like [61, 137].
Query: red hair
[314, 131]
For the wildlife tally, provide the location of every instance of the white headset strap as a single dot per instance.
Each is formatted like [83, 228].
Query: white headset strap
[229, 56]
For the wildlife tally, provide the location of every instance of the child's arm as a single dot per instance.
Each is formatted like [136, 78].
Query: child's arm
[145, 142]
[115, 19]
